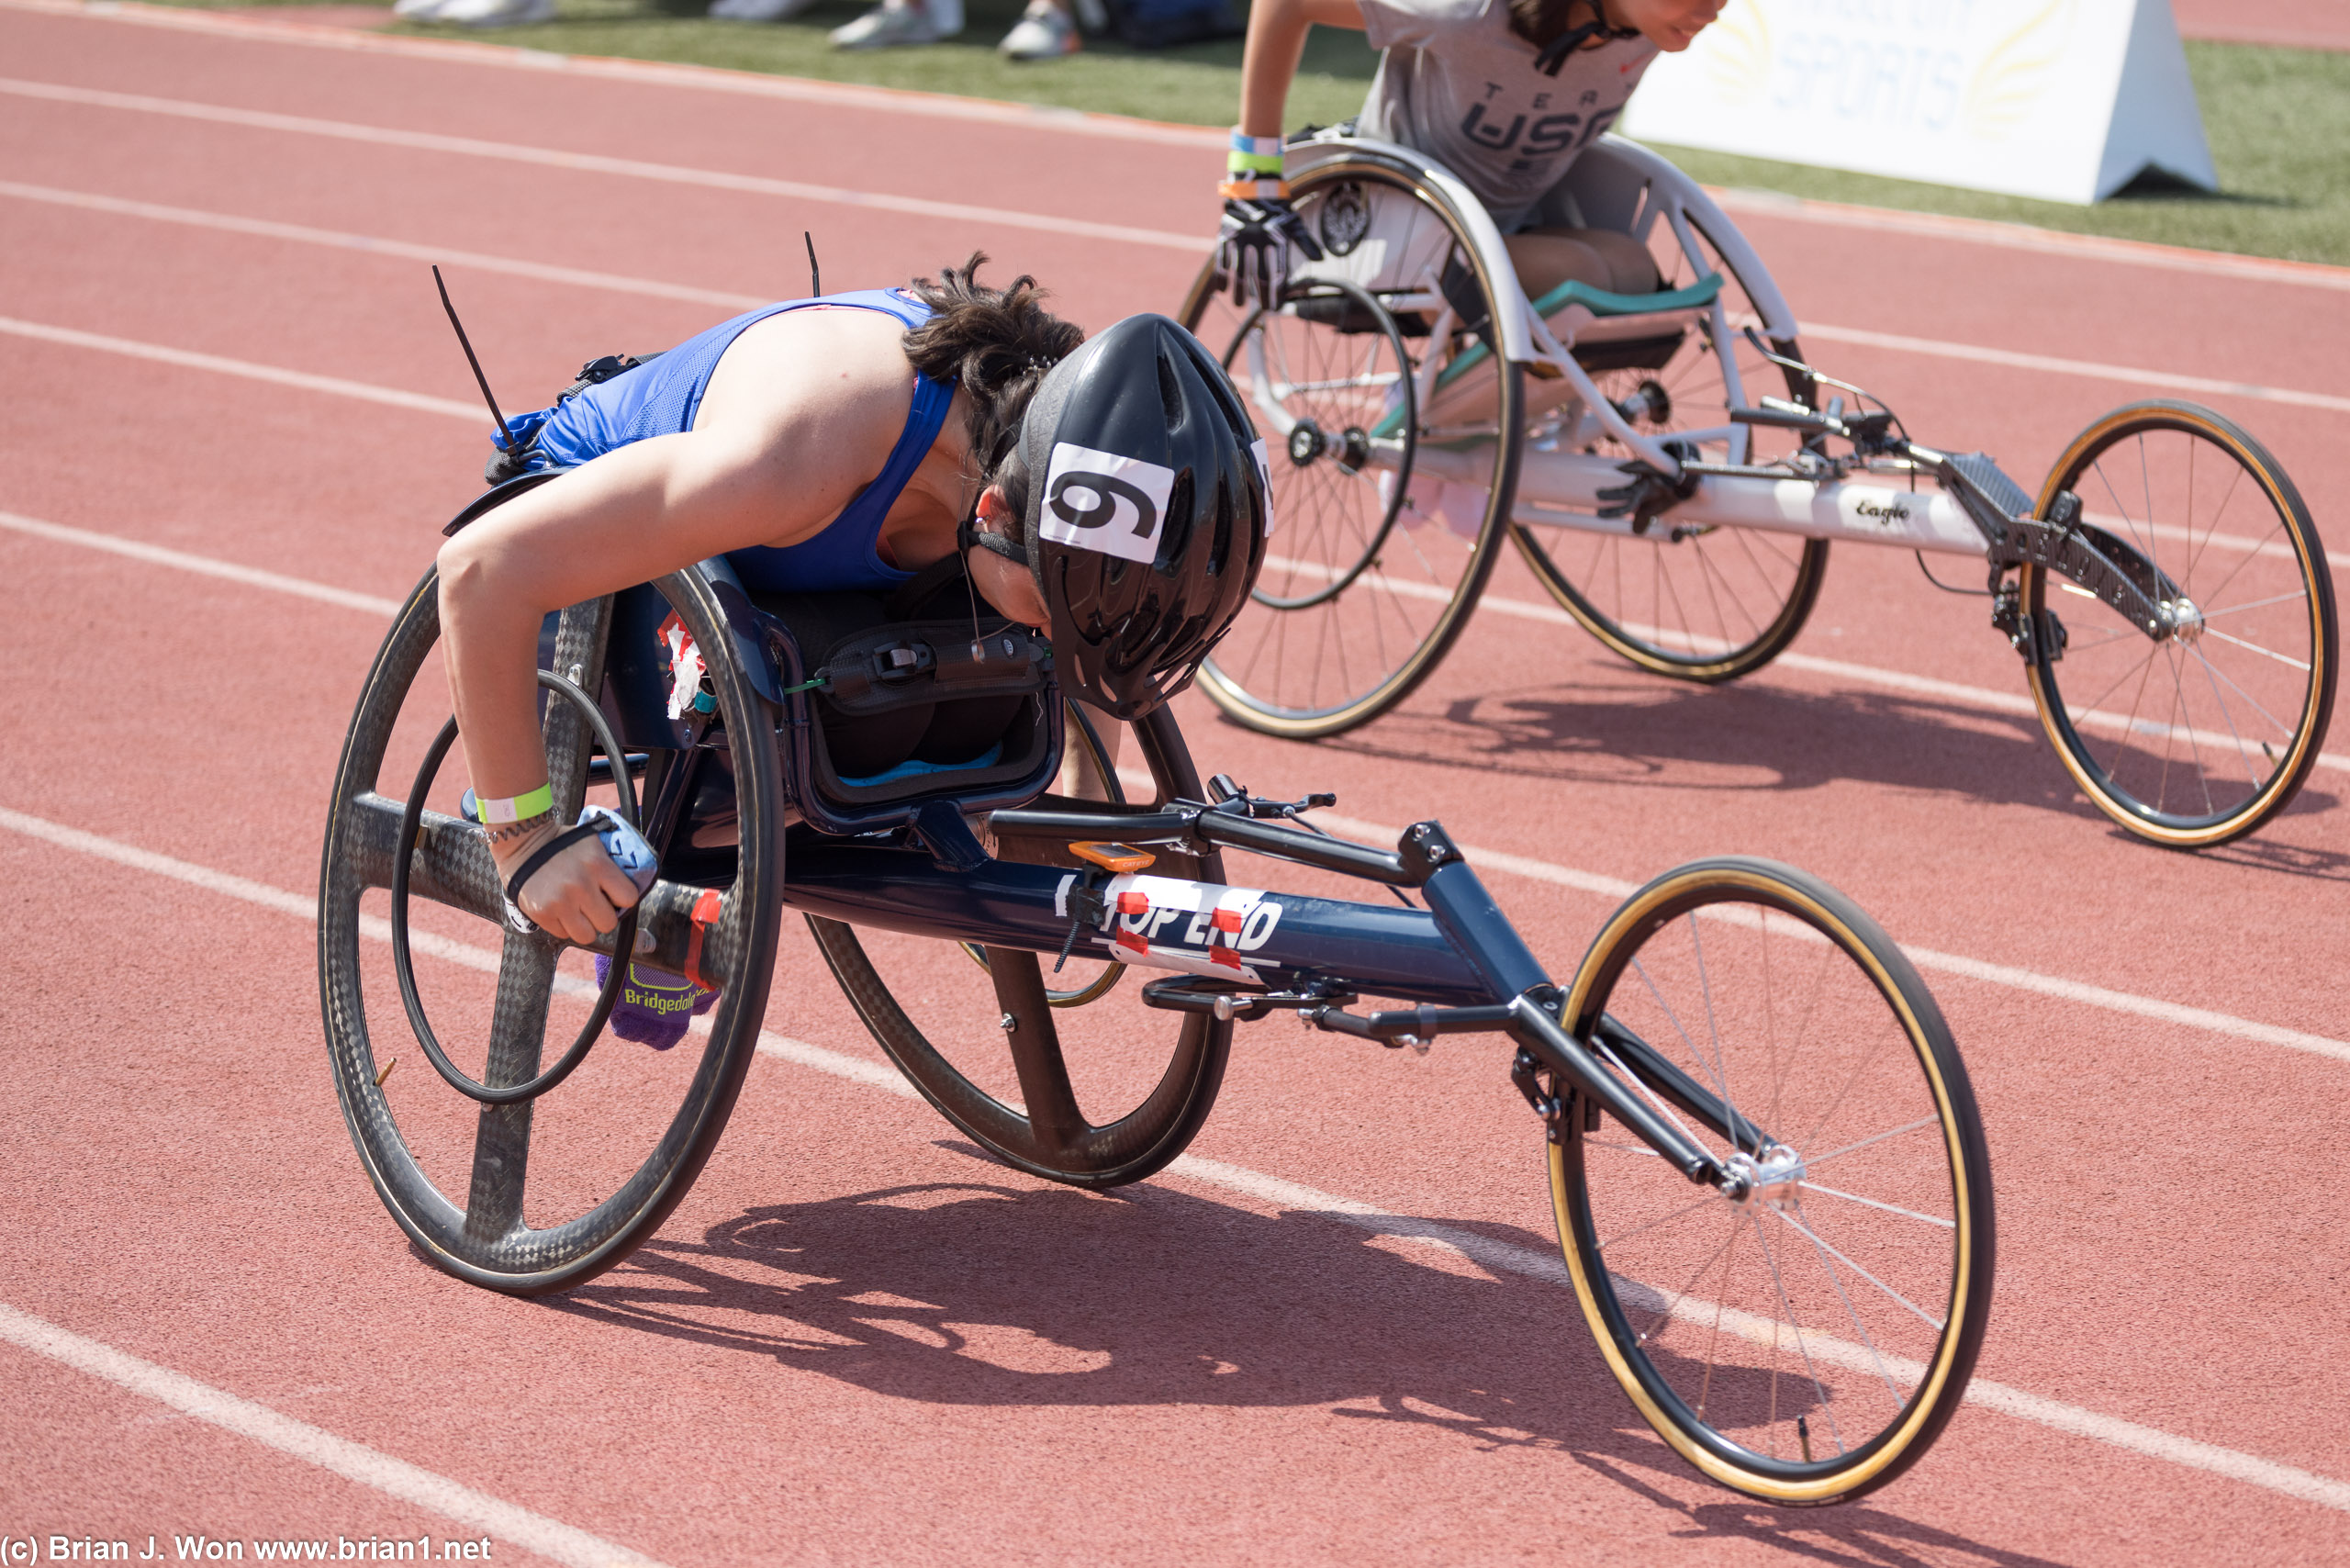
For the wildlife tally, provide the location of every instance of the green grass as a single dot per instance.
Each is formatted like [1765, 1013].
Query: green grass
[2278, 120]
[1195, 84]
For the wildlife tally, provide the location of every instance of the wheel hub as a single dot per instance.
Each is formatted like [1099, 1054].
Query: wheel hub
[1649, 403]
[1774, 1181]
[2182, 621]
[1306, 442]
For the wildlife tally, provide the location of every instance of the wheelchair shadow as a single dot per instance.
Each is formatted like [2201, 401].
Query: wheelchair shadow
[982, 1292]
[1745, 737]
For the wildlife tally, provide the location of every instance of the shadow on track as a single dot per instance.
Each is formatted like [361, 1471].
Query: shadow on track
[1761, 737]
[998, 1293]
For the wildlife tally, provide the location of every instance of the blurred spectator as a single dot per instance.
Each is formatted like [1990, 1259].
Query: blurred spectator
[475, 13]
[1047, 30]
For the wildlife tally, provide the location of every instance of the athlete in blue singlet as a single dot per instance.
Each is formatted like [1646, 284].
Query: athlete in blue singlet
[662, 396]
[846, 441]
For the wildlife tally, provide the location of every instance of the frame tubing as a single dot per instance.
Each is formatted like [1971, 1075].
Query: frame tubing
[1568, 1058]
[1384, 949]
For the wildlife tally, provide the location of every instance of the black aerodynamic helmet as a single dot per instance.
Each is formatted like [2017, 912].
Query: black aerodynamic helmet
[1148, 504]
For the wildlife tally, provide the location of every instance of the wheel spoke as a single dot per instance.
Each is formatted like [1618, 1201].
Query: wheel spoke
[1814, 1161]
[1927, 1319]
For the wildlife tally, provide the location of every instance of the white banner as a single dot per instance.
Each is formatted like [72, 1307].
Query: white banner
[2066, 100]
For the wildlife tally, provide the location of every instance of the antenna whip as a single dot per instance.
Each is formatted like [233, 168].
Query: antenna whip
[504, 438]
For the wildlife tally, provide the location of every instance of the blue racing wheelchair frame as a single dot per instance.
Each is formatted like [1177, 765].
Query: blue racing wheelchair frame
[1799, 1330]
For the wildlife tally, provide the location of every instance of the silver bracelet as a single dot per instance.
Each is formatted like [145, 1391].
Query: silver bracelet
[508, 832]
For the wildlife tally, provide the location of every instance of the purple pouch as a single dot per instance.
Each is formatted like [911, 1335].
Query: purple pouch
[654, 1005]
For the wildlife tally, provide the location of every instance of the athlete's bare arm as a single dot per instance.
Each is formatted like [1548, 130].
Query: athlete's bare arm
[1276, 32]
[801, 413]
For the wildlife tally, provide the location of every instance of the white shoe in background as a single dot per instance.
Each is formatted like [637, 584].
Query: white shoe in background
[887, 26]
[1044, 32]
[494, 13]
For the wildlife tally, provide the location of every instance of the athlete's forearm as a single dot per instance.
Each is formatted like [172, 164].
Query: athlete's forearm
[1277, 30]
[630, 517]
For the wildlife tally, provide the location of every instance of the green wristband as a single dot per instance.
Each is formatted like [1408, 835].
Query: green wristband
[1238, 163]
[516, 807]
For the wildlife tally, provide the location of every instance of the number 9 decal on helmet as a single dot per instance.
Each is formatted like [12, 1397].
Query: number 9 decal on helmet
[1149, 527]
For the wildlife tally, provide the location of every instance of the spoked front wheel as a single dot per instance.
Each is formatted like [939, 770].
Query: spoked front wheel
[2199, 735]
[1029, 1075]
[542, 1195]
[1805, 1342]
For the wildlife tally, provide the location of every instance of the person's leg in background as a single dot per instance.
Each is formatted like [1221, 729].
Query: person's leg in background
[1545, 258]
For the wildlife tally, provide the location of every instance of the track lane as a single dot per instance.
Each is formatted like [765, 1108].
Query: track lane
[1266, 1111]
[655, 1302]
[1464, 1098]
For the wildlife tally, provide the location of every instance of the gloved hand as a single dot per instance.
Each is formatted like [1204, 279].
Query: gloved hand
[1260, 225]
[625, 851]
[654, 1005]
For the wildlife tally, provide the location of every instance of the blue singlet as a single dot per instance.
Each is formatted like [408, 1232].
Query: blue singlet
[662, 397]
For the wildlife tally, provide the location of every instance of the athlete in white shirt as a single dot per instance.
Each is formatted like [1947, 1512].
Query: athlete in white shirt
[1503, 93]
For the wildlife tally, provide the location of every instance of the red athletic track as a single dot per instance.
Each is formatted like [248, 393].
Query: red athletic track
[1176, 1374]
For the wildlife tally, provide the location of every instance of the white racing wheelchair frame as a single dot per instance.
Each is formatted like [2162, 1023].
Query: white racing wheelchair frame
[1766, 1166]
[2202, 673]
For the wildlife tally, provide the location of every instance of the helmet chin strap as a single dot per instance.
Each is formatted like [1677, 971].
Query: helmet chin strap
[969, 536]
[1554, 54]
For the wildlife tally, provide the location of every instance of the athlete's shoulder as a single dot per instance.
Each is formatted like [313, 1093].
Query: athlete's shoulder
[1427, 23]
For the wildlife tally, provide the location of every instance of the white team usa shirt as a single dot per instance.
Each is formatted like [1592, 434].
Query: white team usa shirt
[1456, 84]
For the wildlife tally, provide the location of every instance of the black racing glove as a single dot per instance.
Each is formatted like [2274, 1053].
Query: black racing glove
[1252, 249]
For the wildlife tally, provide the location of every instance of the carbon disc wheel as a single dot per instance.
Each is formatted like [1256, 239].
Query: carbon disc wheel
[546, 1194]
[1023, 1091]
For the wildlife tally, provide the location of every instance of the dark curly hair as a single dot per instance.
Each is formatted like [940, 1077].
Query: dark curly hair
[997, 343]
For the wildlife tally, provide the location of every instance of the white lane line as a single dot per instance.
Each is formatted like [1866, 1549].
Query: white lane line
[2023, 237]
[299, 233]
[2007, 975]
[353, 1462]
[1062, 122]
[1499, 860]
[156, 554]
[223, 365]
[1119, 127]
[1933, 348]
[1551, 1268]
[1530, 1263]
[596, 163]
[1923, 685]
[896, 101]
[584, 278]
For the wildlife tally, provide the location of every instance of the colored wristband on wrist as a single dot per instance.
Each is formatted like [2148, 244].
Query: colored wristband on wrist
[1239, 165]
[1253, 190]
[1243, 142]
[515, 808]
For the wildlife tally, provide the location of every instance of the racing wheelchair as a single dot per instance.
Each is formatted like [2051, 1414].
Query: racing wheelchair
[1766, 1162]
[1672, 473]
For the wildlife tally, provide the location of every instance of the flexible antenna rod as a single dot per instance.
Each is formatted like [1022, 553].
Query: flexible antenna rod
[815, 282]
[504, 437]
